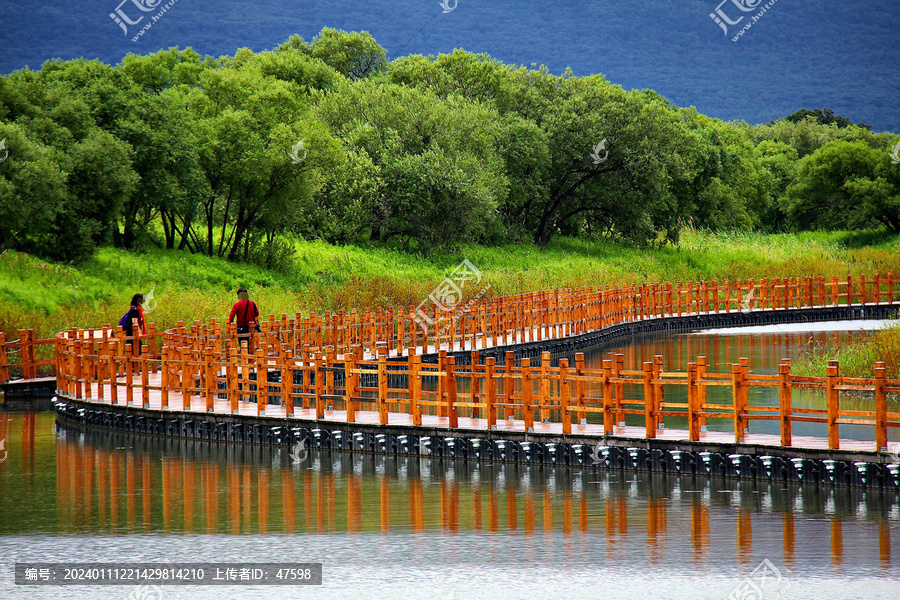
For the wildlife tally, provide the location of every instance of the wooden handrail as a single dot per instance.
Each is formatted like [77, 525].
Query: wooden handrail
[522, 390]
[364, 360]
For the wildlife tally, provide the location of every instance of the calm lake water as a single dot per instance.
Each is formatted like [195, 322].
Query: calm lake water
[392, 527]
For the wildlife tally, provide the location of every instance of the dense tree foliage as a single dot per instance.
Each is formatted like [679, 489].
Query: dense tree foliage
[825, 117]
[224, 156]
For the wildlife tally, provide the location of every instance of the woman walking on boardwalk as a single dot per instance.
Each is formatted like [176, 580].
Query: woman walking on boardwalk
[135, 311]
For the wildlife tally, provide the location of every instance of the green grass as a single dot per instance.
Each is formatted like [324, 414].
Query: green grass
[855, 359]
[51, 297]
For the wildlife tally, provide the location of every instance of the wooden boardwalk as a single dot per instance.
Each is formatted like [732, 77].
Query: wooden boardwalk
[467, 425]
[491, 360]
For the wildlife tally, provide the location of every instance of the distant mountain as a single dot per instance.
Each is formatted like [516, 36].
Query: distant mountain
[817, 53]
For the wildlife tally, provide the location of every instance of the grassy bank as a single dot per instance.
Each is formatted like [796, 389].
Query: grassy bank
[51, 297]
[856, 358]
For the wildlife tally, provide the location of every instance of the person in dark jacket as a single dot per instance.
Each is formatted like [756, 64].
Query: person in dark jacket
[136, 311]
[245, 311]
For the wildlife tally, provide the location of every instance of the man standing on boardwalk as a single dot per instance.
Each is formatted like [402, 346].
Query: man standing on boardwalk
[246, 312]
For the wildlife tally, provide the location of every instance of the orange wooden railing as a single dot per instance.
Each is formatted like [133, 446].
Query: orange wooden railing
[539, 316]
[529, 317]
[21, 357]
[368, 360]
[90, 368]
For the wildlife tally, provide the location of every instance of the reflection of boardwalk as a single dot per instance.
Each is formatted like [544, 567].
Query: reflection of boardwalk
[208, 488]
[198, 404]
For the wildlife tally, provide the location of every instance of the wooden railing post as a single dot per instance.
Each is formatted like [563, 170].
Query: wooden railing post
[4, 360]
[544, 399]
[262, 384]
[620, 388]
[693, 403]
[233, 394]
[163, 376]
[187, 376]
[350, 388]
[649, 397]
[129, 375]
[442, 385]
[28, 356]
[319, 366]
[23, 353]
[527, 393]
[737, 382]
[833, 399]
[564, 396]
[880, 408]
[211, 386]
[145, 379]
[113, 374]
[382, 388]
[415, 388]
[745, 391]
[491, 393]
[86, 372]
[287, 383]
[784, 400]
[452, 410]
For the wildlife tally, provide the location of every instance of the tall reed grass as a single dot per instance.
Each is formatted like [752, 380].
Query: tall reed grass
[857, 358]
[51, 297]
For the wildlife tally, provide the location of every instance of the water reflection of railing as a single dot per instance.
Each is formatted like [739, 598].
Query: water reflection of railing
[200, 488]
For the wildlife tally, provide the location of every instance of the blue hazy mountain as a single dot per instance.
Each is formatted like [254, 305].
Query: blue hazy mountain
[812, 54]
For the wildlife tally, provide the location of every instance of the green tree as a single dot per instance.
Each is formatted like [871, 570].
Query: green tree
[355, 55]
[156, 72]
[247, 125]
[33, 191]
[436, 154]
[838, 187]
[825, 117]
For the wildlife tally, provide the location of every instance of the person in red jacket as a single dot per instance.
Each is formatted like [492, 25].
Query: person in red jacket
[246, 312]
